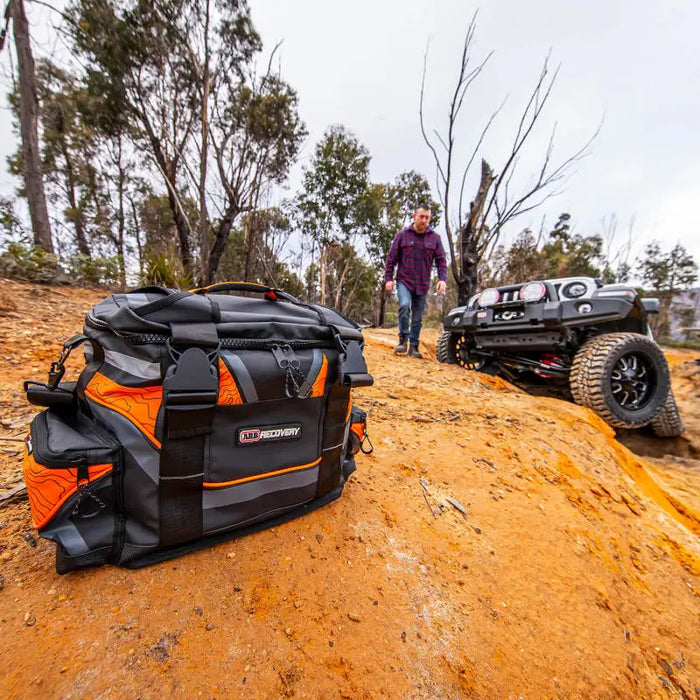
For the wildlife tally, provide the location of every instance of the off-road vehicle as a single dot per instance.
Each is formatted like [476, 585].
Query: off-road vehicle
[586, 340]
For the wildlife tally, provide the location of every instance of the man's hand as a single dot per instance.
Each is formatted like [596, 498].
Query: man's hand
[441, 287]
[389, 285]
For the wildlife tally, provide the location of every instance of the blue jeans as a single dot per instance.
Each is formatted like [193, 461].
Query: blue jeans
[411, 306]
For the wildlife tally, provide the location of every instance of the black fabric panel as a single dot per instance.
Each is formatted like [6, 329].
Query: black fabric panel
[65, 563]
[336, 413]
[268, 377]
[229, 461]
[329, 476]
[211, 540]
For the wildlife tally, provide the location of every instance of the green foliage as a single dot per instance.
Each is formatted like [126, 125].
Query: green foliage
[334, 187]
[565, 254]
[31, 264]
[667, 272]
[102, 272]
[165, 270]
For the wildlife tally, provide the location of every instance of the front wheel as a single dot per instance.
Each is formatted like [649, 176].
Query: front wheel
[453, 349]
[623, 377]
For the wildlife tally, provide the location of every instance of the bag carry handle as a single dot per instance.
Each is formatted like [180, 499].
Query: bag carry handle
[269, 292]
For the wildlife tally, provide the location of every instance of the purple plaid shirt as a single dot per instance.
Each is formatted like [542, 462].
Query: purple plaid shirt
[415, 253]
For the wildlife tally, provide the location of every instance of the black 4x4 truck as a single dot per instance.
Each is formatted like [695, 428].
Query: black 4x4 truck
[586, 340]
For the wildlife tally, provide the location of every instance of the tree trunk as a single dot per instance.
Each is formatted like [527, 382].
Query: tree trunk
[382, 304]
[203, 224]
[322, 271]
[220, 239]
[121, 223]
[78, 221]
[29, 127]
[168, 169]
[470, 236]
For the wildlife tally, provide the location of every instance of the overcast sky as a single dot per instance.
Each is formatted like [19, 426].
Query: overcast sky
[632, 64]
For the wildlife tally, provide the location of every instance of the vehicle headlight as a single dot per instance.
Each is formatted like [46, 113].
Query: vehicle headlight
[534, 291]
[489, 297]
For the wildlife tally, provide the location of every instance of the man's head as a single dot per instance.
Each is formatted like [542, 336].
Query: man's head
[421, 218]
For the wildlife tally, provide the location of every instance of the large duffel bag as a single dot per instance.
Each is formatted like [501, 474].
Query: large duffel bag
[198, 417]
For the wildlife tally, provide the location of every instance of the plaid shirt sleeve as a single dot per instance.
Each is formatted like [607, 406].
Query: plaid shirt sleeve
[393, 257]
[441, 260]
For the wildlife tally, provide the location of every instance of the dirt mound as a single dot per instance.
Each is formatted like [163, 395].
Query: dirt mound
[574, 573]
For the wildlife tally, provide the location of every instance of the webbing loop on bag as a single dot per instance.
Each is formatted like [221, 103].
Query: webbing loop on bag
[352, 367]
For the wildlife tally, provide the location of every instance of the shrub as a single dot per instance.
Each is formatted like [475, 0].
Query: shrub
[31, 264]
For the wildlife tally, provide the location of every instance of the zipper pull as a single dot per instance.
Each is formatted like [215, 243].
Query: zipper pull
[88, 504]
[289, 363]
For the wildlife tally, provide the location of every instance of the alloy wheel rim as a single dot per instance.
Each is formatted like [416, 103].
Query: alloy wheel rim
[632, 381]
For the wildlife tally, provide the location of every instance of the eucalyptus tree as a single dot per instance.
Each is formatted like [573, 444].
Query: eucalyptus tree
[28, 107]
[177, 70]
[332, 204]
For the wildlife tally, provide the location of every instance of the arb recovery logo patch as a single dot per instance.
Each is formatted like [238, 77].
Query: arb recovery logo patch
[255, 435]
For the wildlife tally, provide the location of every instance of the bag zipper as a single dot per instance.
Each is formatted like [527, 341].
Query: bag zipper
[226, 343]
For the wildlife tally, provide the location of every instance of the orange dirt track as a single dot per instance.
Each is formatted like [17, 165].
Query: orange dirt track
[575, 573]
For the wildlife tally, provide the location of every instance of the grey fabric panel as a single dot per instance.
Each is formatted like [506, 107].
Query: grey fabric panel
[136, 300]
[133, 365]
[67, 534]
[213, 498]
[141, 472]
[61, 437]
[237, 506]
[130, 437]
[245, 381]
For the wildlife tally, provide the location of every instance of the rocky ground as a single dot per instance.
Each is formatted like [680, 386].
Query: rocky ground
[575, 572]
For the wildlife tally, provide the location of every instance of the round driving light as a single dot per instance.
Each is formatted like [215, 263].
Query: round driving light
[585, 308]
[455, 320]
[489, 297]
[534, 291]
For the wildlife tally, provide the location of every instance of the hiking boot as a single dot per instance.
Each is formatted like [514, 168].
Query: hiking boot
[401, 348]
[414, 352]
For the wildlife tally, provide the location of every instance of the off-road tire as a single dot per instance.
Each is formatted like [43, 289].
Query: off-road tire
[668, 421]
[445, 349]
[591, 383]
[578, 376]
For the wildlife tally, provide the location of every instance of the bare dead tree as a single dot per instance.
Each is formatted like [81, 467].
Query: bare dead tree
[474, 232]
[29, 125]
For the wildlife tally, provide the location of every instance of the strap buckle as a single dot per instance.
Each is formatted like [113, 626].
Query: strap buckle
[192, 382]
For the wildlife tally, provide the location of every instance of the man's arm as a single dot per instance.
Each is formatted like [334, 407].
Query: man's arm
[441, 262]
[392, 258]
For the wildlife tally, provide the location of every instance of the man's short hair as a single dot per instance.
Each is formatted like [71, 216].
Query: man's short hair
[422, 205]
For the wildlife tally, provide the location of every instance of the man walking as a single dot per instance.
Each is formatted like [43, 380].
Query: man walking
[414, 250]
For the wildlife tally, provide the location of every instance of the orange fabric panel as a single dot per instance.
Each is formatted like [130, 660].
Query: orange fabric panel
[359, 430]
[319, 384]
[228, 389]
[347, 415]
[138, 404]
[222, 484]
[48, 489]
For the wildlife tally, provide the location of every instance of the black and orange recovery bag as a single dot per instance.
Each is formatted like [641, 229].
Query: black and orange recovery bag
[198, 417]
